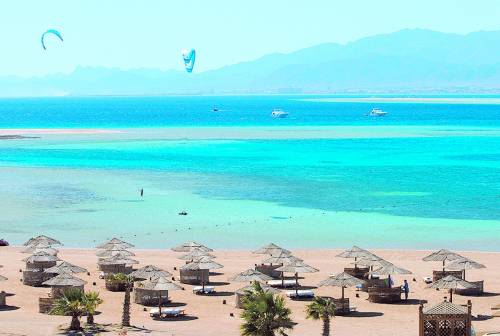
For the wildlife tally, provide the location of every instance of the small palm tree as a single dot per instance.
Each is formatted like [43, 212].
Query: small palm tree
[91, 301]
[71, 303]
[264, 313]
[129, 282]
[321, 309]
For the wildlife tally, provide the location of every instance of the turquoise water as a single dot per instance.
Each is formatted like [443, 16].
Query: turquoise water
[414, 181]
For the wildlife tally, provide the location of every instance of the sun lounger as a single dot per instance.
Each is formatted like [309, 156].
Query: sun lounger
[166, 312]
[200, 290]
[300, 294]
[282, 283]
[427, 280]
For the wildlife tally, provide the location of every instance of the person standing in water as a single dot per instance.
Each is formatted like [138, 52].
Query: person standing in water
[142, 192]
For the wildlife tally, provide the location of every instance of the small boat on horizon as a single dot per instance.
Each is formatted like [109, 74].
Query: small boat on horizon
[376, 112]
[279, 113]
[215, 109]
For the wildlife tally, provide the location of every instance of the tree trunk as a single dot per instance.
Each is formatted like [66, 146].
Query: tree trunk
[126, 308]
[90, 318]
[75, 323]
[326, 326]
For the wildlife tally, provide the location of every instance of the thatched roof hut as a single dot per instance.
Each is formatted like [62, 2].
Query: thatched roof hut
[116, 264]
[104, 254]
[150, 272]
[198, 272]
[65, 267]
[445, 318]
[63, 281]
[242, 292]
[154, 291]
[42, 239]
[40, 261]
[450, 282]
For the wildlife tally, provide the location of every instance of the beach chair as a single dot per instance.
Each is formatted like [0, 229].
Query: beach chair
[282, 283]
[166, 312]
[300, 294]
[200, 291]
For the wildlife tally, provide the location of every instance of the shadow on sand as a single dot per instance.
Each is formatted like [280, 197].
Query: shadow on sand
[365, 314]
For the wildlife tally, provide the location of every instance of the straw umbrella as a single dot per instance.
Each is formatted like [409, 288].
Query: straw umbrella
[343, 280]
[443, 255]
[42, 239]
[297, 267]
[114, 242]
[116, 251]
[250, 275]
[36, 249]
[150, 272]
[200, 266]
[65, 267]
[281, 258]
[196, 253]
[271, 249]
[355, 252]
[117, 260]
[65, 280]
[158, 285]
[390, 270]
[450, 282]
[190, 246]
[463, 265]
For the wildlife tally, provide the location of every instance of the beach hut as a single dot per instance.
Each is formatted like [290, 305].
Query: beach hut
[197, 272]
[443, 256]
[114, 242]
[116, 264]
[113, 252]
[342, 280]
[445, 319]
[36, 264]
[271, 249]
[42, 239]
[297, 267]
[242, 292]
[58, 285]
[190, 246]
[274, 261]
[464, 265]
[386, 293]
[154, 292]
[149, 272]
[65, 267]
[40, 247]
[3, 295]
[356, 252]
[451, 283]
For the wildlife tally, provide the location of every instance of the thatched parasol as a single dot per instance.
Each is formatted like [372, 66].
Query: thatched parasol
[250, 288]
[450, 282]
[270, 249]
[114, 242]
[65, 267]
[114, 253]
[65, 280]
[443, 255]
[150, 272]
[343, 280]
[159, 285]
[117, 260]
[250, 275]
[297, 267]
[280, 258]
[190, 246]
[389, 270]
[196, 253]
[355, 252]
[201, 265]
[42, 239]
[463, 265]
[41, 257]
[36, 249]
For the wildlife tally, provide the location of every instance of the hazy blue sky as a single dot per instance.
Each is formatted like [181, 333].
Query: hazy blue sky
[136, 34]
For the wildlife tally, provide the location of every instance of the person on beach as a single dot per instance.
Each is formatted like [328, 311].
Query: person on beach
[406, 289]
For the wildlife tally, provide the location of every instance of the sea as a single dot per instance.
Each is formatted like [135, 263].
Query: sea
[426, 175]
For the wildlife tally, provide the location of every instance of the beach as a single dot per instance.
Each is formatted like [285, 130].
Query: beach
[208, 315]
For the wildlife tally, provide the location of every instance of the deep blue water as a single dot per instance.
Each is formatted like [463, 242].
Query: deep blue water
[234, 110]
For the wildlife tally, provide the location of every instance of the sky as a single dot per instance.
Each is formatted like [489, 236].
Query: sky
[130, 34]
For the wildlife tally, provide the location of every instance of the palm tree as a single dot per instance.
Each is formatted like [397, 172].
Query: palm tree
[264, 313]
[91, 301]
[71, 303]
[321, 309]
[129, 282]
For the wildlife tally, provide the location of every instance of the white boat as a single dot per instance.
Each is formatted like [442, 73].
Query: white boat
[376, 112]
[278, 113]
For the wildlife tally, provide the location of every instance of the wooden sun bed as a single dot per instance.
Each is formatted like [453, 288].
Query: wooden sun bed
[300, 294]
[282, 283]
[166, 312]
[200, 291]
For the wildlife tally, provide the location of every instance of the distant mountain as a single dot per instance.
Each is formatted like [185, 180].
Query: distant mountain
[408, 60]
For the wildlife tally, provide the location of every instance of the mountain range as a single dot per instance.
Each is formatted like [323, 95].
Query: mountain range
[410, 60]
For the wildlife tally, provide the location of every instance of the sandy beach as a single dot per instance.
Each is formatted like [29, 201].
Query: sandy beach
[208, 316]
